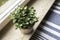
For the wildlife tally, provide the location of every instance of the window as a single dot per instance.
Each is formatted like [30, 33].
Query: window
[8, 7]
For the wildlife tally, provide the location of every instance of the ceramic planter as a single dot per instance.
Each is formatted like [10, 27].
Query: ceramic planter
[27, 31]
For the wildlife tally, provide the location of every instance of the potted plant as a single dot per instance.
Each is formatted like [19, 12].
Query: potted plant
[24, 18]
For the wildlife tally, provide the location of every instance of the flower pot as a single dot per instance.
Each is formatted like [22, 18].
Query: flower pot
[27, 31]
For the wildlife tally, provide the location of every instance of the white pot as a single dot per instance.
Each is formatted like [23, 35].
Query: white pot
[27, 31]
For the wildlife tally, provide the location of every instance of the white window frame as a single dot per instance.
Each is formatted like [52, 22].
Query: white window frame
[4, 17]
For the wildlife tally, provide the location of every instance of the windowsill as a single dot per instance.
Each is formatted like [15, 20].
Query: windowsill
[41, 11]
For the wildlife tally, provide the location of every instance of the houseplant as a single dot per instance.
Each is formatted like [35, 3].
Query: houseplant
[24, 18]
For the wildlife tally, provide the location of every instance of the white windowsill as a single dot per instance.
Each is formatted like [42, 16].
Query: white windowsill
[42, 7]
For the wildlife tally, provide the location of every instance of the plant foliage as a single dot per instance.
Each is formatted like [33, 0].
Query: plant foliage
[24, 17]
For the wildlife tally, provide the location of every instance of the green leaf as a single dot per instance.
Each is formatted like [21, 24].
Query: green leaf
[14, 21]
